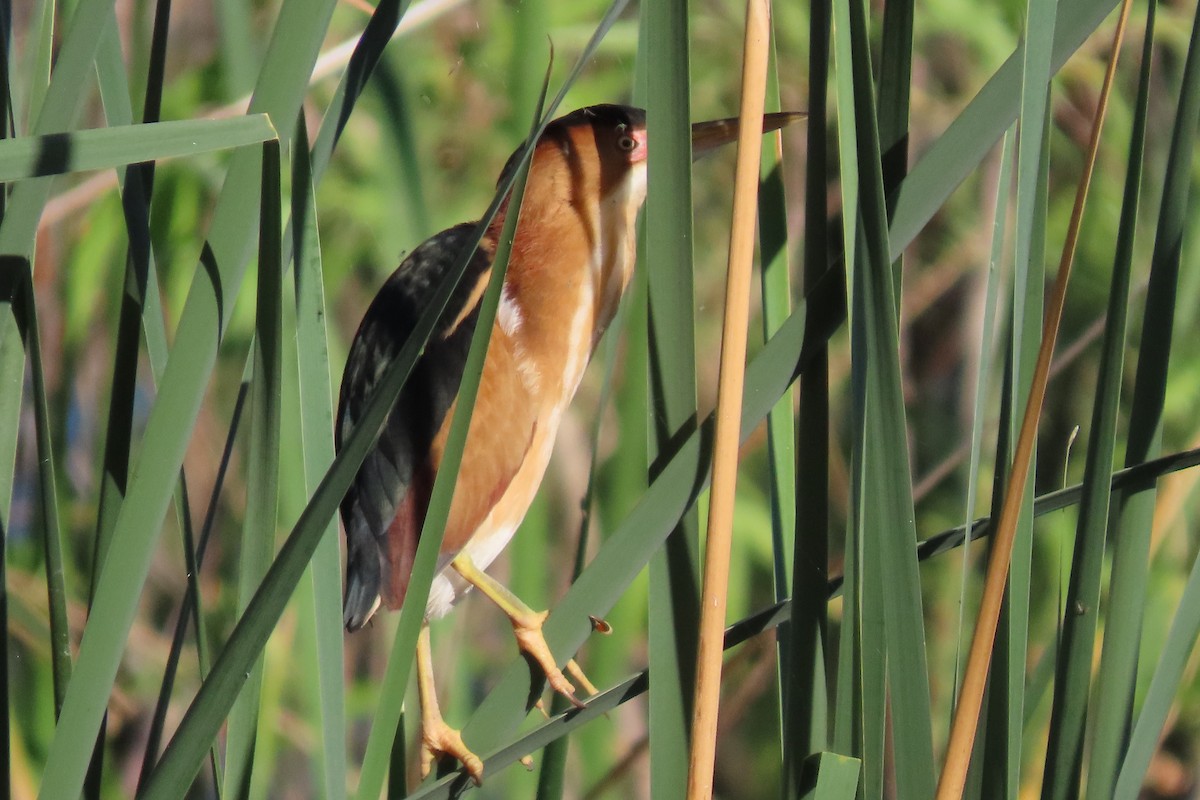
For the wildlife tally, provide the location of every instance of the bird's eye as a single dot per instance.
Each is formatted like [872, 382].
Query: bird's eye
[626, 143]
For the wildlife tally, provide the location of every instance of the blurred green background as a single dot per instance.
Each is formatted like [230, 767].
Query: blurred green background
[447, 104]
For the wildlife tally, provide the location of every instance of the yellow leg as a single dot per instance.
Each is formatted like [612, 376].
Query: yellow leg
[527, 626]
[437, 738]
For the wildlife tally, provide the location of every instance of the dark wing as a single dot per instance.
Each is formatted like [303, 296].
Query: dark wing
[392, 486]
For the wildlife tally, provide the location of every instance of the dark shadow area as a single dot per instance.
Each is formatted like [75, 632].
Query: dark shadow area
[54, 154]
[208, 261]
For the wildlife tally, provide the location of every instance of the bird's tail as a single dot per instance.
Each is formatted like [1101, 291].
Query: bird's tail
[362, 580]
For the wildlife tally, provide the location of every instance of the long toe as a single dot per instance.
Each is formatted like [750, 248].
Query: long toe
[577, 673]
[439, 740]
[528, 630]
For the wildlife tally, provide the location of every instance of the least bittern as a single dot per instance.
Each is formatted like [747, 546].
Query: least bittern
[572, 258]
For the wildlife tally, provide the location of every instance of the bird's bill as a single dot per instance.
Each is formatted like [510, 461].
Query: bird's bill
[710, 135]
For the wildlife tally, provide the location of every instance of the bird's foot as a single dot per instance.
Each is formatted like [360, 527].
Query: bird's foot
[577, 674]
[439, 740]
[528, 630]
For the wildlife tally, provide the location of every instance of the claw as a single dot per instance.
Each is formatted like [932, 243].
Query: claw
[580, 678]
[528, 630]
[439, 740]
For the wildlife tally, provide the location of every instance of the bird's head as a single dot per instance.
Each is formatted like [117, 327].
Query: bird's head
[590, 156]
[586, 184]
[598, 154]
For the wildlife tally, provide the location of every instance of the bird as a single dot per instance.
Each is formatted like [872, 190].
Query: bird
[572, 258]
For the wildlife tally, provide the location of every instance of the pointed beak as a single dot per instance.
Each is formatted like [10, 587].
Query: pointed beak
[710, 135]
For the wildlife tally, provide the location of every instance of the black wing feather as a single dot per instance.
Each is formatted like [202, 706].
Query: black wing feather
[387, 474]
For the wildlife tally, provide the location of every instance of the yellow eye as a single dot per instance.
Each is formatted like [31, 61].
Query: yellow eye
[626, 143]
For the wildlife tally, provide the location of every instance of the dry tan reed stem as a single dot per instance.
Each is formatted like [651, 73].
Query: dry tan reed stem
[966, 714]
[729, 402]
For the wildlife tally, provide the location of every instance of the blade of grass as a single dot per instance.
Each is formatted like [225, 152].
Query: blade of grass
[8, 127]
[54, 106]
[622, 480]
[141, 306]
[1072, 682]
[887, 504]
[674, 571]
[102, 148]
[1006, 698]
[262, 467]
[836, 777]
[1135, 512]
[189, 611]
[981, 124]
[1002, 759]
[776, 289]
[989, 764]
[136, 185]
[859, 704]
[316, 412]
[36, 68]
[1161, 696]
[390, 85]
[119, 428]
[552, 776]
[989, 334]
[895, 78]
[962, 732]
[525, 75]
[805, 698]
[847, 126]
[19, 277]
[397, 768]
[294, 45]
[237, 46]
[279, 675]
[1122, 480]
[156, 66]
[57, 112]
[8, 124]
[1119, 655]
[367, 52]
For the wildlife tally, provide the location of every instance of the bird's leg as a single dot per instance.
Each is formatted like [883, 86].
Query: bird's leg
[437, 738]
[527, 626]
